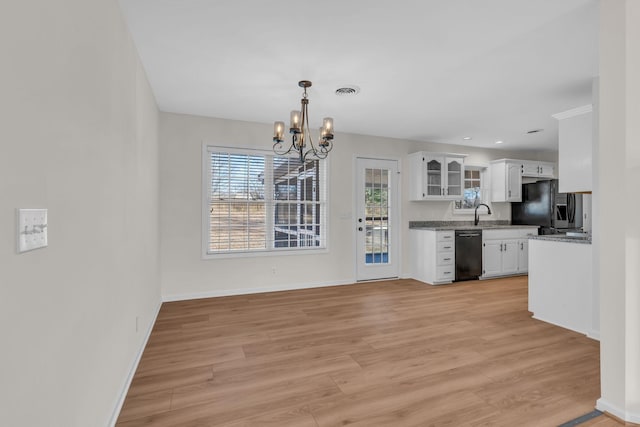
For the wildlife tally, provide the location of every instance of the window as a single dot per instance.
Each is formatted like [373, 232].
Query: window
[472, 196]
[262, 202]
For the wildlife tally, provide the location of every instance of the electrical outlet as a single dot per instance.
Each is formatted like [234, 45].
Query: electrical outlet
[32, 229]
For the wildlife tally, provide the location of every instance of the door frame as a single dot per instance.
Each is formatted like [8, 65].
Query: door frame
[354, 217]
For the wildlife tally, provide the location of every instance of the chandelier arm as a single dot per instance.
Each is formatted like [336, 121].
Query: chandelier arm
[279, 150]
[317, 154]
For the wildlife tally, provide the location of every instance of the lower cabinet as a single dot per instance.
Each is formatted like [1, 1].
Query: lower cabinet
[433, 256]
[523, 260]
[505, 252]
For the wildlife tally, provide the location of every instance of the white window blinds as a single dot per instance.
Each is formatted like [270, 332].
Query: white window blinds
[261, 202]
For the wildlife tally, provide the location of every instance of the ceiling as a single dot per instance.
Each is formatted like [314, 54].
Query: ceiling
[428, 70]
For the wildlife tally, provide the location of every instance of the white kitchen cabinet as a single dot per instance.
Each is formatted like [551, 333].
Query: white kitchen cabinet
[575, 156]
[491, 258]
[433, 256]
[436, 176]
[523, 255]
[505, 251]
[536, 169]
[506, 180]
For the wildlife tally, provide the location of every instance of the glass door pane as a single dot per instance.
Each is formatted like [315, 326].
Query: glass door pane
[434, 178]
[454, 178]
[376, 206]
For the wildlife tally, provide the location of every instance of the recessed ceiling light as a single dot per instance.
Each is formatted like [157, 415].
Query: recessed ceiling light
[499, 142]
[467, 138]
[350, 90]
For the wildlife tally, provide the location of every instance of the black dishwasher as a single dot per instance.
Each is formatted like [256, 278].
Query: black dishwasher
[468, 254]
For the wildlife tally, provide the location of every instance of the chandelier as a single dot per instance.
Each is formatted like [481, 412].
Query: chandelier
[301, 140]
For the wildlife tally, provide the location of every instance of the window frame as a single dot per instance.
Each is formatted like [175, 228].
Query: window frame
[484, 190]
[208, 148]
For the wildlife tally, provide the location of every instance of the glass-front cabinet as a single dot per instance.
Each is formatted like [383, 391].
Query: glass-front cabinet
[433, 169]
[436, 176]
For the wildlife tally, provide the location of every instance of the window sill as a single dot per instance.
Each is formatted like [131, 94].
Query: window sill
[264, 253]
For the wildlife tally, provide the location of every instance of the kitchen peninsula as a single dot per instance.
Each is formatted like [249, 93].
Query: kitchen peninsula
[561, 287]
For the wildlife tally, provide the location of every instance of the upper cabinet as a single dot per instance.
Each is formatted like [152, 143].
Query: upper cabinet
[537, 169]
[575, 150]
[506, 180]
[436, 176]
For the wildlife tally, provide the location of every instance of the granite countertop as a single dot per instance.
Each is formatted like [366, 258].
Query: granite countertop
[465, 225]
[563, 238]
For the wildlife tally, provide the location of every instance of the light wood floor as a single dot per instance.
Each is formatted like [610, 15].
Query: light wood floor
[394, 353]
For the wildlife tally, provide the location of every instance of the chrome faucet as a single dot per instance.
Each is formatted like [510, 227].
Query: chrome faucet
[477, 218]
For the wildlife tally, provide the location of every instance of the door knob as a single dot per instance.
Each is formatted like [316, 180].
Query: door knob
[359, 219]
[359, 228]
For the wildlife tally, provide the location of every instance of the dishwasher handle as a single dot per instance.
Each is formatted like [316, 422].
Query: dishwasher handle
[469, 235]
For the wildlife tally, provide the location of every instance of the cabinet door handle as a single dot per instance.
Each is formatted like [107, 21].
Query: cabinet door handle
[447, 247]
[447, 259]
[521, 246]
[509, 193]
[500, 247]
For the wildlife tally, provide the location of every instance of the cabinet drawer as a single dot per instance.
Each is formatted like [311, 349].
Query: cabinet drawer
[445, 258]
[512, 233]
[446, 236]
[445, 247]
[445, 272]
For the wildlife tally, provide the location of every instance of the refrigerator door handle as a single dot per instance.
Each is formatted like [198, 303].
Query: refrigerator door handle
[571, 208]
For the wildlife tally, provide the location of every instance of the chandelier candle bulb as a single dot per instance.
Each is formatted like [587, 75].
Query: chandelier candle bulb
[327, 125]
[278, 131]
[295, 122]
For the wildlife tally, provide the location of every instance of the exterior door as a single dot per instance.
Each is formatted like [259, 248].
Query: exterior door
[377, 219]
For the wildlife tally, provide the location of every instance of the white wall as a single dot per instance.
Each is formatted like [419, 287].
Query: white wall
[185, 274]
[79, 137]
[619, 229]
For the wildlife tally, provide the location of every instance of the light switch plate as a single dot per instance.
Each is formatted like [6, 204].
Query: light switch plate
[32, 229]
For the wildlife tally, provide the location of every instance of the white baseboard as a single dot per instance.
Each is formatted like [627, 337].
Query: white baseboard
[594, 335]
[558, 324]
[247, 291]
[132, 371]
[604, 406]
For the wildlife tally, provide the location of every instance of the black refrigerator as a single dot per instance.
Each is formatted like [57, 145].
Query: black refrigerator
[543, 206]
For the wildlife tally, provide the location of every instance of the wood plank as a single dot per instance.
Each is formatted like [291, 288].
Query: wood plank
[396, 352]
